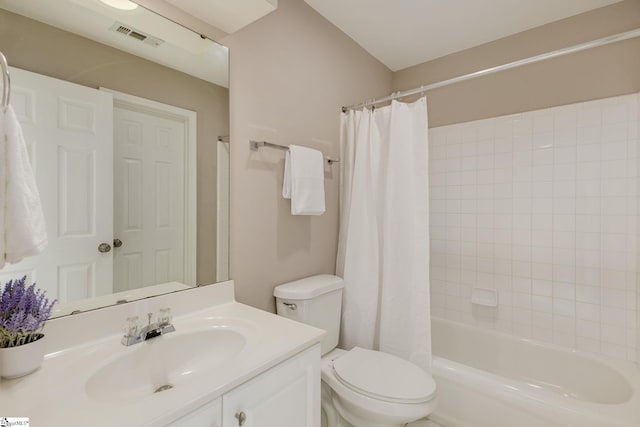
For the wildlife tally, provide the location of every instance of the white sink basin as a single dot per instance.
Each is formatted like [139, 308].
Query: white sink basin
[163, 363]
[218, 345]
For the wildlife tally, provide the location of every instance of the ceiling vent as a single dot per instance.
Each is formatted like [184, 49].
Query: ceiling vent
[126, 30]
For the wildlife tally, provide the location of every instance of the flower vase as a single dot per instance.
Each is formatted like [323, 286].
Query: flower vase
[19, 361]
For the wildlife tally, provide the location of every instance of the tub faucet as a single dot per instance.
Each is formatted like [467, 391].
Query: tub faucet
[134, 335]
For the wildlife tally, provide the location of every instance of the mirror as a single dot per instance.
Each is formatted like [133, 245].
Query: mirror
[125, 115]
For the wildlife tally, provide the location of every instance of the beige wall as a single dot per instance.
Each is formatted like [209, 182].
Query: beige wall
[36, 47]
[290, 73]
[292, 70]
[592, 74]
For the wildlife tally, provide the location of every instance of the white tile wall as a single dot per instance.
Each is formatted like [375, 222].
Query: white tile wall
[543, 207]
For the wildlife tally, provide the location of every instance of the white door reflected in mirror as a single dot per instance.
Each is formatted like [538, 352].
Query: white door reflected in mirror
[137, 192]
[153, 195]
[67, 128]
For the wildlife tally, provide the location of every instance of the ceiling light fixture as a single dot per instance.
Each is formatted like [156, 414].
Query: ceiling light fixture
[120, 4]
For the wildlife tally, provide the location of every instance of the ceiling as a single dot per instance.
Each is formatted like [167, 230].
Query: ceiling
[228, 15]
[402, 33]
[179, 48]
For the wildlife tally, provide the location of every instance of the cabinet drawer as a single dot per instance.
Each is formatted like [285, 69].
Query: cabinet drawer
[209, 415]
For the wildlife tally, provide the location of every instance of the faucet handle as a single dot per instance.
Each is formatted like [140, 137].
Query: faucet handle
[131, 326]
[164, 316]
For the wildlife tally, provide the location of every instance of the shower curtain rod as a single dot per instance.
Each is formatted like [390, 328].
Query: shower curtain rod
[553, 54]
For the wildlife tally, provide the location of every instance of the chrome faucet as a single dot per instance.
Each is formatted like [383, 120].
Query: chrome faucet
[133, 334]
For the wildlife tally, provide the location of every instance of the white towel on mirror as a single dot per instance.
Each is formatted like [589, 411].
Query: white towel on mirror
[304, 180]
[22, 227]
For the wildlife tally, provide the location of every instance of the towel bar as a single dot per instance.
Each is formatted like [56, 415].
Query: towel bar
[6, 81]
[255, 145]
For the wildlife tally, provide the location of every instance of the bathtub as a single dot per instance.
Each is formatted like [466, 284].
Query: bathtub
[489, 379]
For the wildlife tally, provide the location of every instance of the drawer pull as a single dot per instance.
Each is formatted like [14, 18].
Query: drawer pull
[242, 417]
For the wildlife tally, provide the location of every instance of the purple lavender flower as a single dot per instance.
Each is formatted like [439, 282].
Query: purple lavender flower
[23, 313]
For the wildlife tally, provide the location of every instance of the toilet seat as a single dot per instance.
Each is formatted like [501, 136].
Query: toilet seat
[383, 376]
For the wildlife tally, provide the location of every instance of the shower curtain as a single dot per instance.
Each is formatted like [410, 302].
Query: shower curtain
[383, 249]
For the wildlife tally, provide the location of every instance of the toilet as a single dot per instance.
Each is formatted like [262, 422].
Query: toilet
[360, 387]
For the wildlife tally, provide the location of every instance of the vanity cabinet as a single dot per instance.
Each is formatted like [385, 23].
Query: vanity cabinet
[287, 395]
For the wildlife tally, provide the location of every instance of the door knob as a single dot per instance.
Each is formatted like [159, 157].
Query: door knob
[117, 243]
[104, 247]
[242, 417]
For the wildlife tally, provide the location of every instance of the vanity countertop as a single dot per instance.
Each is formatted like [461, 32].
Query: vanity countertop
[67, 390]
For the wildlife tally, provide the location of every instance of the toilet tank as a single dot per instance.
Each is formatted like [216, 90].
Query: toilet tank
[316, 301]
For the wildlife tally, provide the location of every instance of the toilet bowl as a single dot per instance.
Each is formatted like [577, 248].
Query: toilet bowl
[360, 387]
[375, 389]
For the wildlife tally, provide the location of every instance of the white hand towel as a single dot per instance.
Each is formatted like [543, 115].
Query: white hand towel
[304, 180]
[22, 228]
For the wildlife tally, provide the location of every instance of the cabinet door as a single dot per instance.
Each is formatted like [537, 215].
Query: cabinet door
[285, 396]
[206, 416]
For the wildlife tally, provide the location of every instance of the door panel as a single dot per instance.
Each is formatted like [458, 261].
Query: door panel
[149, 198]
[69, 132]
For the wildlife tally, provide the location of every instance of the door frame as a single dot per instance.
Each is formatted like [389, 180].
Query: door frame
[188, 118]
[222, 211]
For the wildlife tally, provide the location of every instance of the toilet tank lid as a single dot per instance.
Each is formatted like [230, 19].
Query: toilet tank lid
[309, 287]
